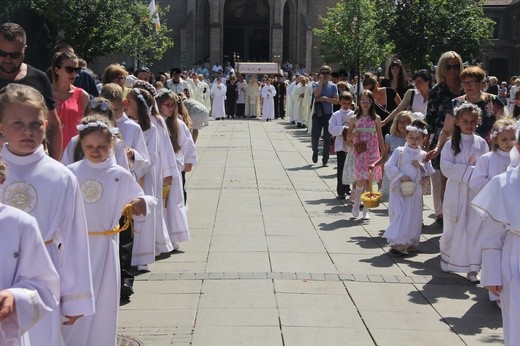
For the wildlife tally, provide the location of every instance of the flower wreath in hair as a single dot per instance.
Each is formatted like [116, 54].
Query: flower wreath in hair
[163, 92]
[495, 133]
[146, 86]
[468, 107]
[411, 128]
[140, 97]
[93, 124]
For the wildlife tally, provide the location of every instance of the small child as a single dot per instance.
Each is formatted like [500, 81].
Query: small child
[405, 212]
[107, 190]
[498, 202]
[48, 191]
[365, 128]
[338, 127]
[459, 246]
[29, 284]
[396, 138]
[490, 165]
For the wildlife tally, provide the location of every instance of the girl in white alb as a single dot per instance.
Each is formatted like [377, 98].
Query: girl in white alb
[171, 107]
[460, 247]
[107, 190]
[268, 93]
[489, 165]
[405, 211]
[29, 284]
[48, 191]
[498, 202]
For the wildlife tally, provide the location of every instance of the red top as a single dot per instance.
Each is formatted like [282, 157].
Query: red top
[70, 111]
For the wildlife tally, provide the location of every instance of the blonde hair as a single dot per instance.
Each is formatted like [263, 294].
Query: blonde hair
[399, 116]
[112, 92]
[15, 93]
[443, 64]
[2, 172]
[501, 124]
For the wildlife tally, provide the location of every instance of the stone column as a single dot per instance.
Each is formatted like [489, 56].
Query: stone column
[215, 31]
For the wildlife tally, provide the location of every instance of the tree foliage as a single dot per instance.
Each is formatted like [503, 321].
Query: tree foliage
[419, 31]
[350, 31]
[97, 28]
[423, 29]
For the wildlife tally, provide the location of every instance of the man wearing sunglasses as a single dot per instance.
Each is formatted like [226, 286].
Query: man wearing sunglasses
[14, 70]
[325, 95]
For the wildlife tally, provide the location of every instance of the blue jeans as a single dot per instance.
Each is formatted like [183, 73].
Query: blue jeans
[320, 125]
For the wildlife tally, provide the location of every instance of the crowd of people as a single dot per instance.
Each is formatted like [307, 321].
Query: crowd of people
[116, 152]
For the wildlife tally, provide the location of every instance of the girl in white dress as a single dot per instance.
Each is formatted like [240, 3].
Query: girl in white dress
[405, 212]
[460, 246]
[149, 178]
[29, 284]
[171, 107]
[166, 168]
[107, 190]
[489, 165]
[498, 202]
[33, 181]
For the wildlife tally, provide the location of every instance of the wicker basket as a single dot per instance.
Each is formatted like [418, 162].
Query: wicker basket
[371, 199]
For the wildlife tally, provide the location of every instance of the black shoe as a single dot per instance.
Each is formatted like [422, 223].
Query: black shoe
[299, 125]
[314, 156]
[304, 126]
[126, 290]
[292, 123]
[325, 163]
[439, 220]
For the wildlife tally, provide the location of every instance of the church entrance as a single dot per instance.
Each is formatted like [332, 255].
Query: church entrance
[246, 30]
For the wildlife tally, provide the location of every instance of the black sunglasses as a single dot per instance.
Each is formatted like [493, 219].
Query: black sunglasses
[452, 67]
[13, 55]
[70, 69]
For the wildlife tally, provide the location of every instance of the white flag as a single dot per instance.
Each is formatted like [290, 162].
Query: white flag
[155, 16]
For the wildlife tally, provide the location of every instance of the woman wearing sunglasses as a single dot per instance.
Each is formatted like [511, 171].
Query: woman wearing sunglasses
[447, 88]
[71, 101]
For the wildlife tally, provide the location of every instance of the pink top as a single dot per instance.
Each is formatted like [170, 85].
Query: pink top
[70, 111]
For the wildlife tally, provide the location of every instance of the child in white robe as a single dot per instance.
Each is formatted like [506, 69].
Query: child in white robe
[460, 247]
[107, 190]
[268, 93]
[498, 202]
[138, 110]
[29, 283]
[405, 212]
[73, 152]
[166, 170]
[171, 107]
[489, 165]
[48, 191]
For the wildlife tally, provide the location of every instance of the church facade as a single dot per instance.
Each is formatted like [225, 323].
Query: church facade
[242, 30]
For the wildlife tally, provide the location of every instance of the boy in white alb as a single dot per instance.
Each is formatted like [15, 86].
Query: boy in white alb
[268, 93]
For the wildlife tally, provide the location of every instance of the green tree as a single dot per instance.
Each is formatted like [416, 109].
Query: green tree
[97, 28]
[350, 35]
[423, 29]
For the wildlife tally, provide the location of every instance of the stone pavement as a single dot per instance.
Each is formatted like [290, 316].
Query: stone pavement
[275, 259]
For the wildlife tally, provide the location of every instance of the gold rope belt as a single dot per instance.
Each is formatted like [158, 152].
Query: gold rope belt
[48, 242]
[127, 213]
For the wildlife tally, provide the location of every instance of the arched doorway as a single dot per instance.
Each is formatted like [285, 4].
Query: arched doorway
[246, 30]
